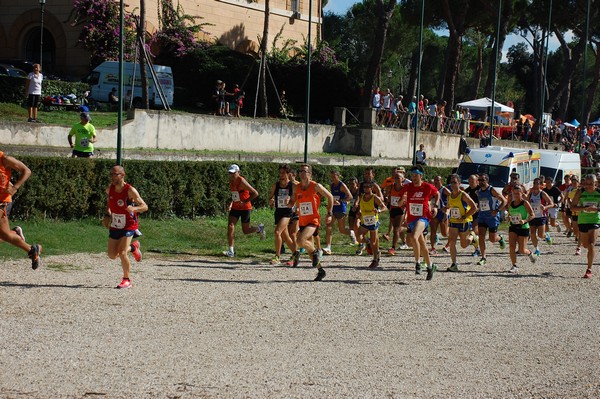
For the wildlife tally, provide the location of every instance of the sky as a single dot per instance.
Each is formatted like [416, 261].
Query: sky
[342, 6]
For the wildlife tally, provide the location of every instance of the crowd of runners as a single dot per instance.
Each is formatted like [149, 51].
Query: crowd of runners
[420, 212]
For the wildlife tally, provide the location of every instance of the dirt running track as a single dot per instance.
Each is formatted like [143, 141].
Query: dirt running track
[233, 328]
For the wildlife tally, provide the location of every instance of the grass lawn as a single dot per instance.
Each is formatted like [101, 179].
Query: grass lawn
[15, 113]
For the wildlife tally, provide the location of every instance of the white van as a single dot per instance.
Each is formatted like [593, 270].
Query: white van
[498, 163]
[105, 77]
[557, 164]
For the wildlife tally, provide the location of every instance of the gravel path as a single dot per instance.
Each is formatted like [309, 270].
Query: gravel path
[235, 328]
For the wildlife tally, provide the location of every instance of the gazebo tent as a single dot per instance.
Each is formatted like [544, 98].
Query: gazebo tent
[482, 104]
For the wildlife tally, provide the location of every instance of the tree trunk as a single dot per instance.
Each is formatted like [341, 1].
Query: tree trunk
[384, 14]
[478, 72]
[262, 90]
[592, 89]
[141, 31]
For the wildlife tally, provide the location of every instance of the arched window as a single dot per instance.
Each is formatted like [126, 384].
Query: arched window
[32, 49]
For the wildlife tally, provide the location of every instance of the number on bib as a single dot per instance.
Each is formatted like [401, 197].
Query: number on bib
[369, 220]
[588, 204]
[484, 205]
[394, 201]
[306, 208]
[537, 210]
[235, 196]
[416, 209]
[283, 201]
[84, 142]
[515, 219]
[455, 213]
[117, 221]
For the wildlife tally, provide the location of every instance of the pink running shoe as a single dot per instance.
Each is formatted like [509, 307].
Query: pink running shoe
[588, 274]
[19, 231]
[125, 283]
[578, 251]
[137, 254]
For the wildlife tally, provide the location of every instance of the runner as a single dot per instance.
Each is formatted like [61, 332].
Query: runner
[540, 203]
[353, 219]
[491, 203]
[307, 199]
[461, 208]
[472, 192]
[520, 214]
[392, 193]
[341, 196]
[441, 217]
[368, 177]
[293, 224]
[370, 207]
[587, 203]
[555, 194]
[572, 214]
[279, 198]
[14, 237]
[418, 196]
[122, 220]
[566, 216]
[242, 193]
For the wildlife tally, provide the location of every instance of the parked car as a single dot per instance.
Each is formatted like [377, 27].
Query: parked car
[10, 70]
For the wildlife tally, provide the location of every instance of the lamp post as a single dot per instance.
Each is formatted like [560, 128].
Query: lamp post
[42, 4]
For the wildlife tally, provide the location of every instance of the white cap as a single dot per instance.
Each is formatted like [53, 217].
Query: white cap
[233, 169]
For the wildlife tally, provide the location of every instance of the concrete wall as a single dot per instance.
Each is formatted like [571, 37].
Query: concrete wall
[156, 130]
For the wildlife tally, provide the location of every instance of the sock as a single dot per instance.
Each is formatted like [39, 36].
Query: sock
[231, 249]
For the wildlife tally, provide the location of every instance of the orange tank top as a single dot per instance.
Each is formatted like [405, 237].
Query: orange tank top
[5, 176]
[307, 202]
[238, 195]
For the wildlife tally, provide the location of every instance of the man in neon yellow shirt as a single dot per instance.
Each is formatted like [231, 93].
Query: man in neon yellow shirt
[85, 136]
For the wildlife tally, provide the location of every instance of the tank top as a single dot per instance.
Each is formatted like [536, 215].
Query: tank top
[239, 195]
[487, 202]
[121, 219]
[395, 197]
[537, 202]
[458, 209]
[589, 199]
[338, 195]
[307, 201]
[5, 176]
[571, 194]
[283, 195]
[369, 215]
[518, 213]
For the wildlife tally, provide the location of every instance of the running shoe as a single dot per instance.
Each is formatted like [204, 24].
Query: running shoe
[385, 237]
[437, 239]
[293, 262]
[446, 248]
[374, 264]
[392, 251]
[320, 252]
[261, 231]
[316, 259]
[549, 239]
[569, 233]
[433, 252]
[537, 252]
[302, 250]
[275, 261]
[532, 257]
[558, 228]
[588, 274]
[404, 247]
[430, 271]
[19, 231]
[327, 251]
[125, 283]
[361, 248]
[502, 242]
[482, 262]
[353, 238]
[475, 242]
[229, 253]
[417, 268]
[514, 270]
[34, 255]
[453, 268]
[578, 251]
[137, 254]
[477, 252]
[320, 274]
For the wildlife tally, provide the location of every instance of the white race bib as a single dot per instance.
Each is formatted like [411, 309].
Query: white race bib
[394, 201]
[306, 208]
[84, 142]
[537, 210]
[515, 219]
[117, 221]
[455, 213]
[235, 196]
[484, 205]
[336, 197]
[416, 209]
[369, 220]
[283, 201]
[588, 204]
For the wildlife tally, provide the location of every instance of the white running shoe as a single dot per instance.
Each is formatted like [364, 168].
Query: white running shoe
[229, 253]
[261, 231]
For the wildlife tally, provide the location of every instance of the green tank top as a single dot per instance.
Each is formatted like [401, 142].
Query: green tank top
[518, 213]
[589, 199]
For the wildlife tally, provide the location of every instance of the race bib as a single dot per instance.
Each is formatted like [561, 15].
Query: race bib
[235, 196]
[283, 201]
[484, 205]
[455, 213]
[336, 197]
[394, 201]
[416, 209]
[306, 208]
[369, 220]
[515, 219]
[117, 221]
[588, 204]
[84, 142]
[537, 210]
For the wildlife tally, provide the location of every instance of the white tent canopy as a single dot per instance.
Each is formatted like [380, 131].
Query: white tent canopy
[482, 104]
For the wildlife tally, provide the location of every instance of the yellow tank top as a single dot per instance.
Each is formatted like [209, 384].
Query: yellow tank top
[369, 215]
[458, 209]
[571, 195]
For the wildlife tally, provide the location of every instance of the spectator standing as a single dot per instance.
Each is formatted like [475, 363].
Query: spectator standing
[33, 92]
[421, 155]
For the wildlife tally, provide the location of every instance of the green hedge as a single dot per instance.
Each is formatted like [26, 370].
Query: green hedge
[68, 189]
[12, 90]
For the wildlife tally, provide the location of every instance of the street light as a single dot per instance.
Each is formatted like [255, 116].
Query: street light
[42, 4]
